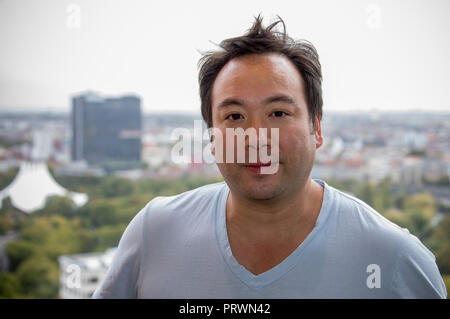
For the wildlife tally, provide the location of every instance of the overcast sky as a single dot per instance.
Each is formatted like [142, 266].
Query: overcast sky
[385, 55]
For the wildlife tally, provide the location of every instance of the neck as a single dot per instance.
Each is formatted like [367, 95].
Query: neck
[284, 214]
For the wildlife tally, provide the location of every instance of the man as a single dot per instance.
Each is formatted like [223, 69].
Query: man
[278, 235]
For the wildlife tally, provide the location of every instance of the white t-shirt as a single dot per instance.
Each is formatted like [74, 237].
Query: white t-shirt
[177, 247]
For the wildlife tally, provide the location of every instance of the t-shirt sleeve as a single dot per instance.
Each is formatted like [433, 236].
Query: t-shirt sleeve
[416, 274]
[122, 276]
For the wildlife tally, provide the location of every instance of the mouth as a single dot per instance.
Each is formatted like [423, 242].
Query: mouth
[256, 167]
[258, 164]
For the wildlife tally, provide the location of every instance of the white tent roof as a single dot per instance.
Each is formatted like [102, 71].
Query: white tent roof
[33, 184]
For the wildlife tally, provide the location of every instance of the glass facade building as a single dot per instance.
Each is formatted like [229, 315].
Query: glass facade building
[106, 130]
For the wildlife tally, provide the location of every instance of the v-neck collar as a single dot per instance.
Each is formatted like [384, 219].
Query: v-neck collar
[273, 274]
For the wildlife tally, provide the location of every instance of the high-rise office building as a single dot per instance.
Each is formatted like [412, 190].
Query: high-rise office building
[105, 129]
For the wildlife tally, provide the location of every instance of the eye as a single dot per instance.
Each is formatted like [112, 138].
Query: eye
[234, 117]
[278, 114]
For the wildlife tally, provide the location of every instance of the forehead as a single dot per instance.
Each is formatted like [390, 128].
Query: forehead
[258, 74]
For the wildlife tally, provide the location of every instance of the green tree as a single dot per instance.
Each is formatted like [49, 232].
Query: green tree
[100, 212]
[64, 237]
[116, 186]
[441, 244]
[50, 236]
[38, 277]
[366, 193]
[447, 284]
[19, 251]
[105, 237]
[9, 217]
[422, 203]
[34, 257]
[420, 209]
[82, 184]
[383, 199]
[58, 205]
[7, 177]
[397, 216]
[9, 286]
[6, 204]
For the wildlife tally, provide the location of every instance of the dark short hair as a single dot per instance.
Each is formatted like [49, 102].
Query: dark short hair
[260, 40]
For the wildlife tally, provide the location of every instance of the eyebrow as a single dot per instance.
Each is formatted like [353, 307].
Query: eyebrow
[280, 98]
[270, 99]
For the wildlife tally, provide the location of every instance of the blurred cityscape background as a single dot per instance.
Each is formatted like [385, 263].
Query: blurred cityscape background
[89, 101]
[71, 182]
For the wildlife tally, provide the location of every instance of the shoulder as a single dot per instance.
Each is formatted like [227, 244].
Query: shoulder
[366, 220]
[358, 216]
[195, 197]
[416, 274]
[414, 270]
[197, 194]
[190, 203]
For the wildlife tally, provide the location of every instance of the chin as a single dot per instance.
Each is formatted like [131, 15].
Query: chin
[263, 187]
[261, 195]
[258, 192]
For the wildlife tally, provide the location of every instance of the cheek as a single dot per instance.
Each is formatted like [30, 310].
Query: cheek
[295, 144]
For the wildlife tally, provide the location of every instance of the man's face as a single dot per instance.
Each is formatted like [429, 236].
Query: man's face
[265, 91]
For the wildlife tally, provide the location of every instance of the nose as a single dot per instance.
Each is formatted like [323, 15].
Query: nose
[259, 123]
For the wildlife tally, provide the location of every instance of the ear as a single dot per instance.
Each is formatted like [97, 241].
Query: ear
[318, 132]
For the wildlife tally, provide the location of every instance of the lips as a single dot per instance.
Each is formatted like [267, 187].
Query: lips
[256, 167]
[258, 164]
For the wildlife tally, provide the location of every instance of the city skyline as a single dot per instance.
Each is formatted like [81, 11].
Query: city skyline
[394, 56]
